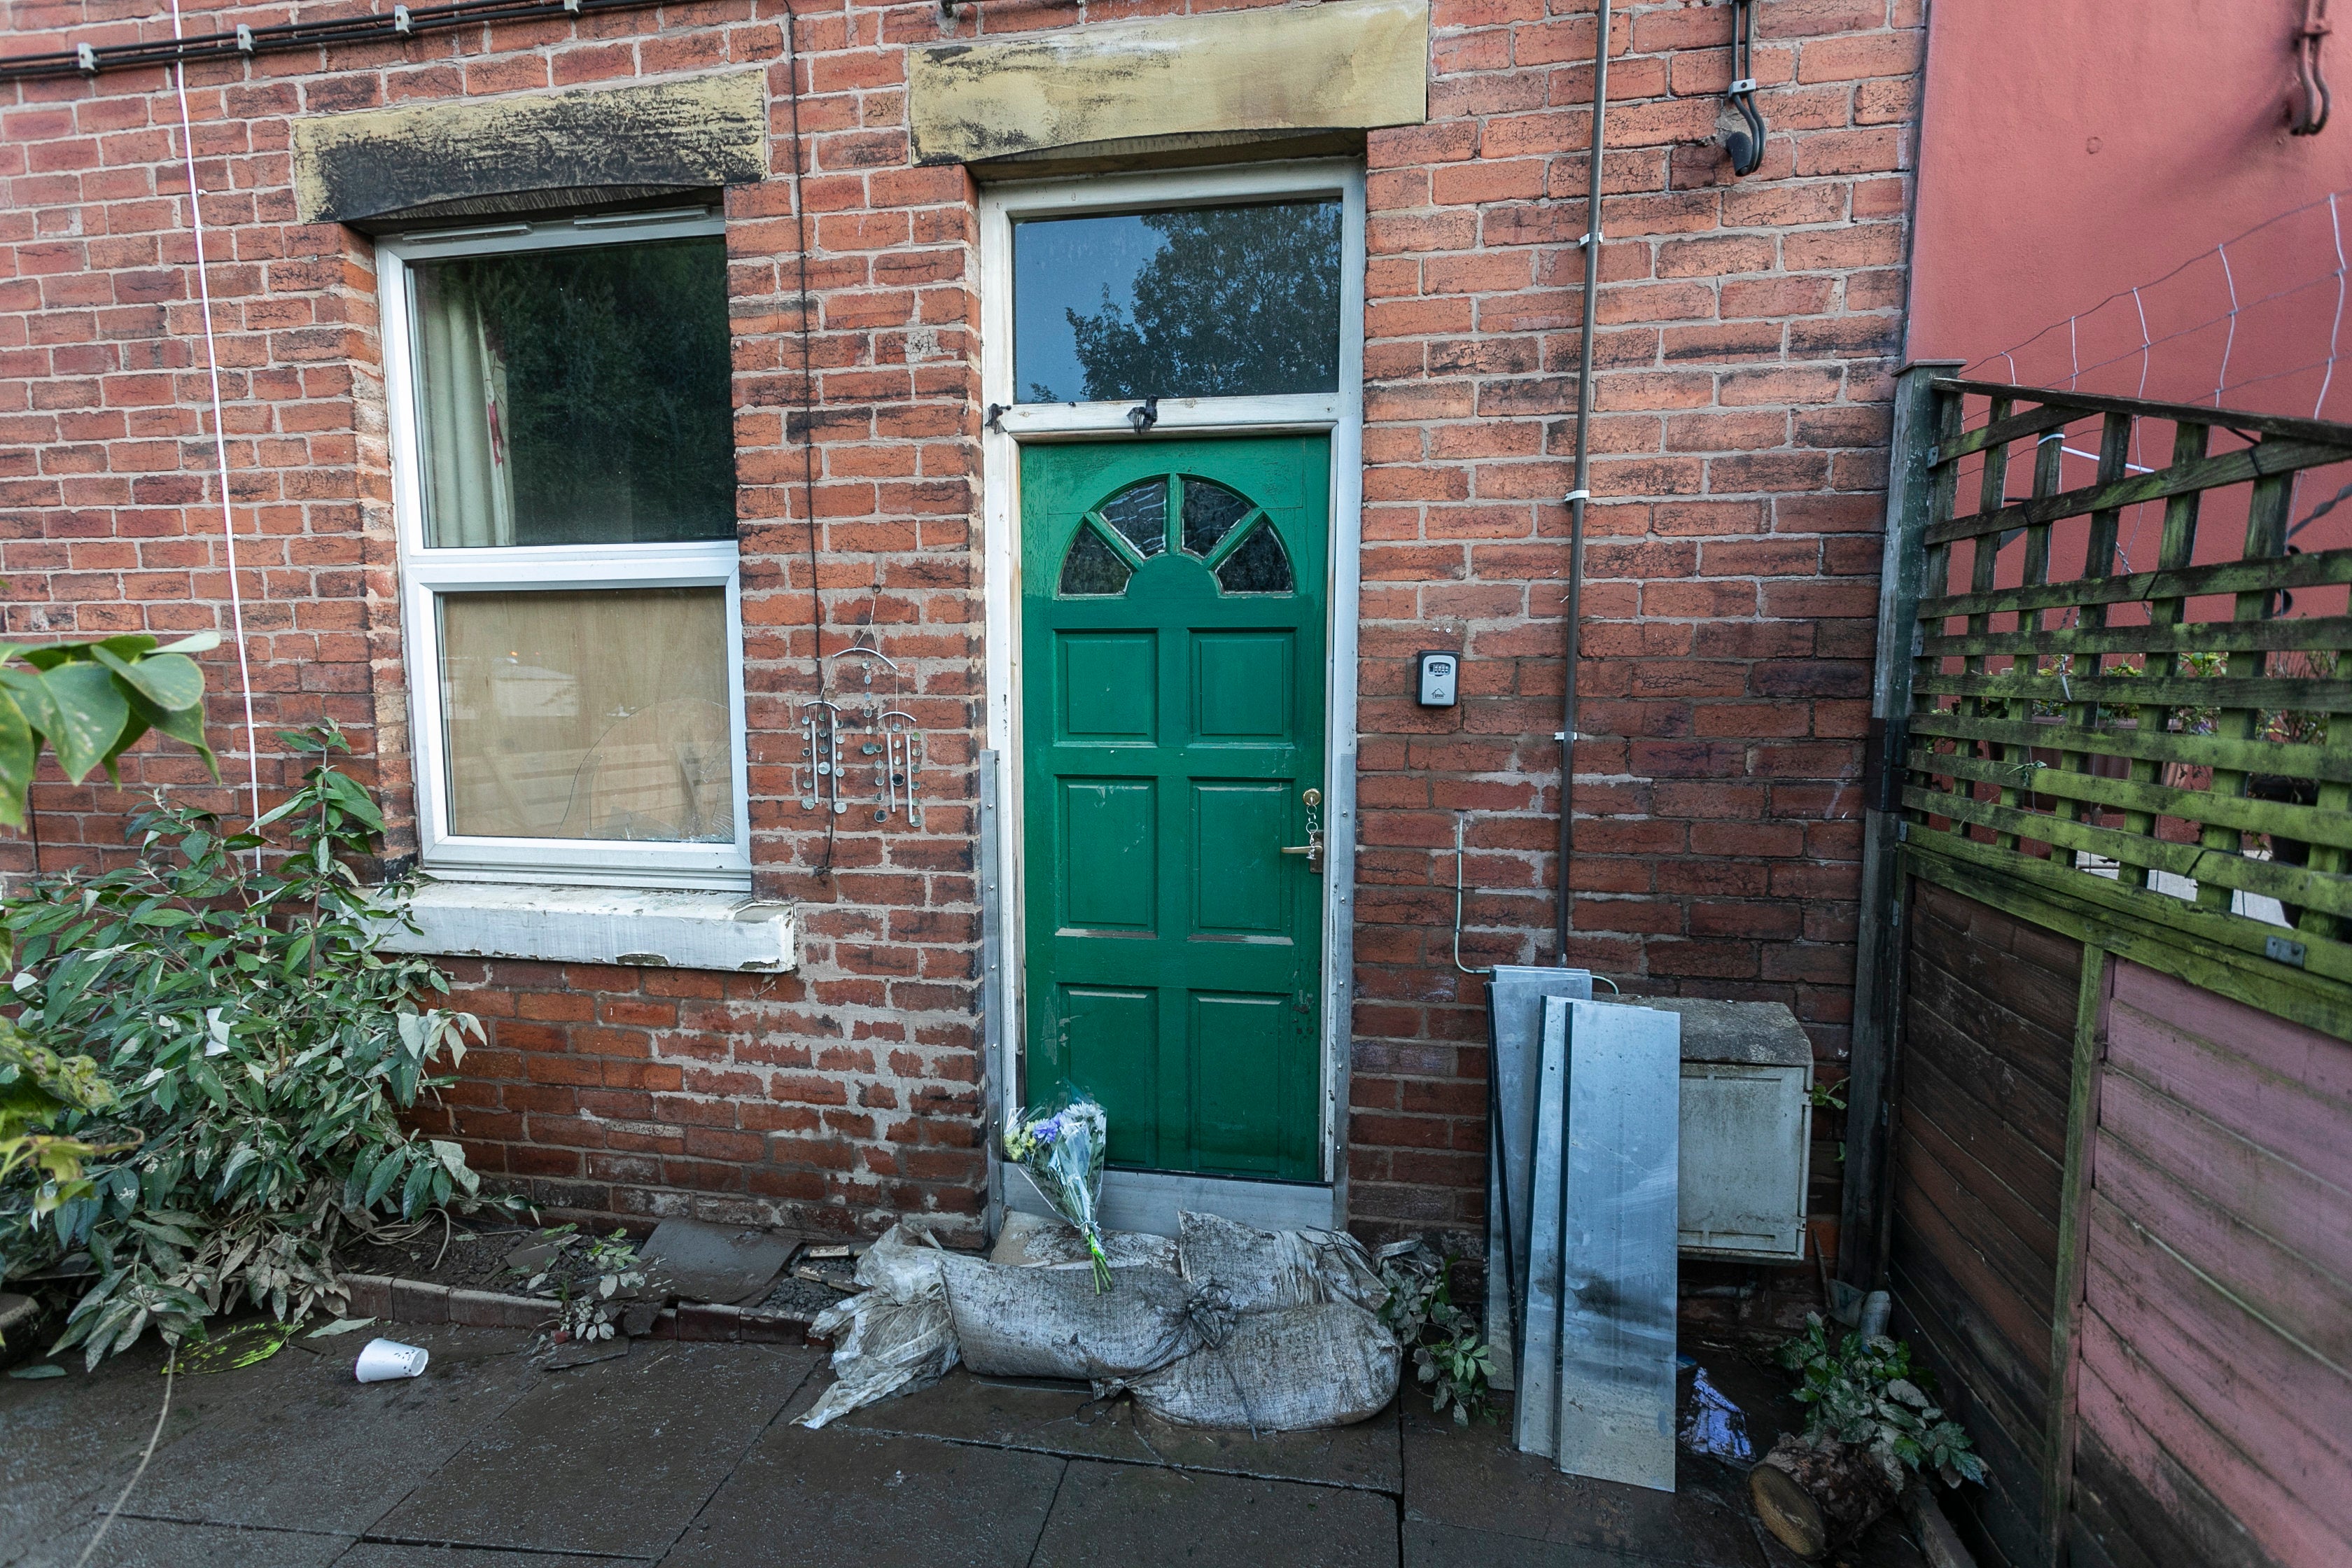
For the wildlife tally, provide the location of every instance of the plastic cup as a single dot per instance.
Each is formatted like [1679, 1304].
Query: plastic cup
[384, 1359]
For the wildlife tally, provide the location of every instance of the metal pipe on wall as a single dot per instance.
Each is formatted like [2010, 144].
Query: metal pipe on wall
[1581, 492]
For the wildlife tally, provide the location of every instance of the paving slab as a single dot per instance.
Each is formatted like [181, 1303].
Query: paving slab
[613, 1458]
[1065, 1418]
[1472, 1478]
[841, 1497]
[698, 1261]
[1144, 1514]
[173, 1543]
[1428, 1545]
[68, 1442]
[380, 1554]
[303, 1445]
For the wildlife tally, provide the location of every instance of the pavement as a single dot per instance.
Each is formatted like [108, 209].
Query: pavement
[686, 1455]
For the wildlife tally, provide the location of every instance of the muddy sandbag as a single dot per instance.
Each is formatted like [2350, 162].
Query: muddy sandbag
[895, 1336]
[1029, 1241]
[1268, 1270]
[1047, 1320]
[1327, 1365]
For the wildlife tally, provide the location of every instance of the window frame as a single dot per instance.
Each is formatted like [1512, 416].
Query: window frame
[427, 573]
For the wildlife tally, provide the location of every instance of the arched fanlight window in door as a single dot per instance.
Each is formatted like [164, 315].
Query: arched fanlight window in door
[1224, 531]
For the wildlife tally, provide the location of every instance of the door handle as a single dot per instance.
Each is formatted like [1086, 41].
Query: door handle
[1312, 849]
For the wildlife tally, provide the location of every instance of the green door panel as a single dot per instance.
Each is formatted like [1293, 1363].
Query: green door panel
[1173, 660]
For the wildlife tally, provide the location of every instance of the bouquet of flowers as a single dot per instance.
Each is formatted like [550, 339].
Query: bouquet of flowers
[1060, 1143]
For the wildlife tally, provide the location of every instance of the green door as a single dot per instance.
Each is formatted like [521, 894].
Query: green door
[1173, 669]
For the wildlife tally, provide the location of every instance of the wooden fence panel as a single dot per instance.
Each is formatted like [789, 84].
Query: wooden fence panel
[2216, 1332]
[1978, 1159]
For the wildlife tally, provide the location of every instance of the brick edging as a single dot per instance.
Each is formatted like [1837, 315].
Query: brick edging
[397, 1301]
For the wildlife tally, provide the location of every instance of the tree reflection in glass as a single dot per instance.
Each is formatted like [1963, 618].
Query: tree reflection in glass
[1238, 302]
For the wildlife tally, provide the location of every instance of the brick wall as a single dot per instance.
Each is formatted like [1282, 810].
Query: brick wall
[1742, 407]
[1743, 363]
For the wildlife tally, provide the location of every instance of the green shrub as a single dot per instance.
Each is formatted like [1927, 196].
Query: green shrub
[1866, 1391]
[1448, 1356]
[257, 1049]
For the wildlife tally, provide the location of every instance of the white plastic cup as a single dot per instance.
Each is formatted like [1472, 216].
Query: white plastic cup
[384, 1359]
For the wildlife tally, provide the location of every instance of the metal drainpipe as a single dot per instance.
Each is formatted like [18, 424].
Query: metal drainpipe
[1581, 493]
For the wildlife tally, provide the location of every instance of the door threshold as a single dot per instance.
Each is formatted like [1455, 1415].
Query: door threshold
[1147, 1201]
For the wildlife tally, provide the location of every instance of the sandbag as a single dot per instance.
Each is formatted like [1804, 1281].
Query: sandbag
[1047, 1320]
[893, 1336]
[1269, 1270]
[1287, 1370]
[1029, 1241]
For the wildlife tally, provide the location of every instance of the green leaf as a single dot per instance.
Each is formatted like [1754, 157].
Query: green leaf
[32, 697]
[195, 642]
[413, 1191]
[186, 725]
[91, 712]
[171, 681]
[381, 1183]
[19, 753]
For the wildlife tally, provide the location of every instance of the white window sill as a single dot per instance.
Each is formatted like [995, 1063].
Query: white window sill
[659, 929]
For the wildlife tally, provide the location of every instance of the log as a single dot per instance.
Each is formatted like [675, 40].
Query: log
[1816, 1496]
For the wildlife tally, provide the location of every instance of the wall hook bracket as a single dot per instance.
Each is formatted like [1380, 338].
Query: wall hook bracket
[1746, 147]
[2311, 116]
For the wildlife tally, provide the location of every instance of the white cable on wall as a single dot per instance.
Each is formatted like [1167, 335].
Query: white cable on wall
[220, 428]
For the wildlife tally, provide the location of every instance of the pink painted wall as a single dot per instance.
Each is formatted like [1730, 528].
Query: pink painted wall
[2075, 150]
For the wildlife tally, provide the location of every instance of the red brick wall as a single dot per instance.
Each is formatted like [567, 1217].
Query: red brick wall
[1744, 356]
[1741, 410]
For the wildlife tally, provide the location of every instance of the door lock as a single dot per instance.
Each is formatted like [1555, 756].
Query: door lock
[1313, 847]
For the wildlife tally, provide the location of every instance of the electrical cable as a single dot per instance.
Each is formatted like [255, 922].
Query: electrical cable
[171, 1368]
[397, 27]
[1578, 498]
[220, 428]
[808, 397]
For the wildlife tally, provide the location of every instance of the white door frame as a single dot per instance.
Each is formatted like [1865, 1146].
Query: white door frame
[1340, 414]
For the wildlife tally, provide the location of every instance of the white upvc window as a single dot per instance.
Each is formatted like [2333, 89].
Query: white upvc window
[561, 428]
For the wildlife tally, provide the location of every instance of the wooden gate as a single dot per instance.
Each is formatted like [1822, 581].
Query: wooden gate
[2101, 1141]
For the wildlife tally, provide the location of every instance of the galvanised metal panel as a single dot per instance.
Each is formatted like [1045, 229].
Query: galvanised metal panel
[1515, 997]
[1616, 1394]
[1534, 1413]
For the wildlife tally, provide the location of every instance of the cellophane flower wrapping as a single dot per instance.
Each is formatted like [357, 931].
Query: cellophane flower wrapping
[1060, 1143]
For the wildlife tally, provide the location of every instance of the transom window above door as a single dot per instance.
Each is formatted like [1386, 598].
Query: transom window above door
[1197, 301]
[1227, 532]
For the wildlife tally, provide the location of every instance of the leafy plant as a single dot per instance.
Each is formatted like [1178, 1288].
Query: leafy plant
[38, 1087]
[1447, 1352]
[91, 701]
[585, 1282]
[257, 1045]
[1868, 1392]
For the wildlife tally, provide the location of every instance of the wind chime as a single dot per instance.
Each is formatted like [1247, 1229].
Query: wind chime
[892, 749]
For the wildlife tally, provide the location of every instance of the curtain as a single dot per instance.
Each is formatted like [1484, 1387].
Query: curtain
[469, 484]
[590, 714]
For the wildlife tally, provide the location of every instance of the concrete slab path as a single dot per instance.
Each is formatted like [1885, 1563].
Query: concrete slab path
[686, 1455]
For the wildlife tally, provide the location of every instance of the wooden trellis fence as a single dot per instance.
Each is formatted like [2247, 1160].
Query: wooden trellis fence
[2106, 960]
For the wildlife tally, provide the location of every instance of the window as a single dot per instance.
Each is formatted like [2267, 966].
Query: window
[1224, 530]
[1210, 301]
[565, 475]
